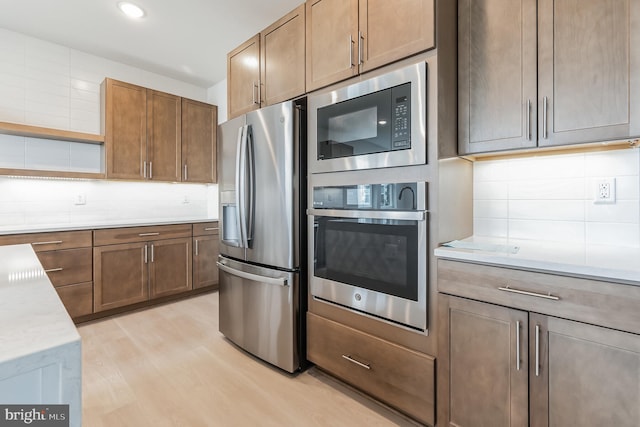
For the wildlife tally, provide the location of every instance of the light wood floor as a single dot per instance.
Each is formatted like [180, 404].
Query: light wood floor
[169, 366]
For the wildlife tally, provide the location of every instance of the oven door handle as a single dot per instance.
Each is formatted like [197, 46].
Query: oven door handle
[398, 215]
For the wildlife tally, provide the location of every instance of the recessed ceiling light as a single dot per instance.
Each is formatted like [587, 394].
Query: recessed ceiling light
[131, 10]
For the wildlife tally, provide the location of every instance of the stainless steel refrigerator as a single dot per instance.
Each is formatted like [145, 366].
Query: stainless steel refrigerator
[260, 178]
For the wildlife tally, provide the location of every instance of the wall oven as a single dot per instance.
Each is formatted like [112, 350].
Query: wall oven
[368, 250]
[375, 123]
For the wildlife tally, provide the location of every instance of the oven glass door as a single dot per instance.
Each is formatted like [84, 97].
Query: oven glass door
[376, 254]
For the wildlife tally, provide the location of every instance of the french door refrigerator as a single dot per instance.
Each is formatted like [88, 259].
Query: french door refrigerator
[260, 179]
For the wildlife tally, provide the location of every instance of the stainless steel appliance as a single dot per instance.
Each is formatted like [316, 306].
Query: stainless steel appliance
[369, 250]
[379, 122]
[260, 179]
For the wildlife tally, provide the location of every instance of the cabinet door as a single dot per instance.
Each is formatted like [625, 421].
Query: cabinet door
[392, 30]
[170, 267]
[243, 78]
[199, 124]
[589, 53]
[205, 256]
[332, 41]
[481, 381]
[120, 275]
[164, 123]
[587, 376]
[125, 129]
[496, 75]
[282, 61]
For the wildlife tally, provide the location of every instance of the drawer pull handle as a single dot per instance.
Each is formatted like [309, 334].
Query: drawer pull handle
[52, 242]
[352, 360]
[148, 234]
[53, 270]
[211, 228]
[531, 294]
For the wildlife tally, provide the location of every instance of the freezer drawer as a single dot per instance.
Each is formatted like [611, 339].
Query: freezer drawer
[258, 311]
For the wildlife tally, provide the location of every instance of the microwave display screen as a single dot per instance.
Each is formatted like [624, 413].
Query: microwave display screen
[378, 122]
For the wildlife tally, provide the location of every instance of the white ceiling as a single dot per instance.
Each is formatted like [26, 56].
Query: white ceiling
[184, 39]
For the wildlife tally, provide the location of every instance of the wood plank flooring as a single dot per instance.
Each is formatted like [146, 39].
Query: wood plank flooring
[169, 366]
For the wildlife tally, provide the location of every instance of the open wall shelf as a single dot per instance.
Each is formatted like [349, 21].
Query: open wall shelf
[48, 133]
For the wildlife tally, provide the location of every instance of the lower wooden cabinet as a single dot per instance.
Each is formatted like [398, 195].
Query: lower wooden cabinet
[67, 266]
[77, 298]
[121, 275]
[169, 267]
[205, 254]
[396, 375]
[500, 366]
[129, 273]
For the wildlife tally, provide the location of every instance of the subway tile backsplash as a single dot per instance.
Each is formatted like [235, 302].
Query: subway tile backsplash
[551, 197]
[32, 201]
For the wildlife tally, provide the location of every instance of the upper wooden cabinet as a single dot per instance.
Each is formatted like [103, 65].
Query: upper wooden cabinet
[345, 38]
[282, 60]
[543, 73]
[269, 67]
[199, 124]
[164, 136]
[125, 129]
[144, 132]
[243, 78]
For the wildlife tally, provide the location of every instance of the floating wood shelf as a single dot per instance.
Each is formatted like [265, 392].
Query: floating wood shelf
[48, 133]
[36, 173]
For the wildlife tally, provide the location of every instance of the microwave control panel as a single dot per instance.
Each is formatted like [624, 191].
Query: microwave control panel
[401, 110]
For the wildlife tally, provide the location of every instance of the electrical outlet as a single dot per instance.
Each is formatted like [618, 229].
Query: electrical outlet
[605, 190]
[185, 199]
[81, 199]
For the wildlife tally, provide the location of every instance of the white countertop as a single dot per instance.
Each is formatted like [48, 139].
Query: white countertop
[609, 263]
[32, 316]
[43, 228]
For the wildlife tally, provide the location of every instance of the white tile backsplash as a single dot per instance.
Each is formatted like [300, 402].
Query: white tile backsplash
[52, 202]
[551, 198]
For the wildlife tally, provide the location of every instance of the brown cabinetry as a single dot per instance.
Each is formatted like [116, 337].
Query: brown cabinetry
[543, 73]
[345, 38]
[199, 125]
[205, 254]
[144, 131]
[135, 264]
[506, 366]
[394, 374]
[66, 258]
[269, 67]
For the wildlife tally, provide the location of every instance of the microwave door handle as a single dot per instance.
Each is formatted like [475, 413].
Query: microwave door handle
[250, 185]
[239, 192]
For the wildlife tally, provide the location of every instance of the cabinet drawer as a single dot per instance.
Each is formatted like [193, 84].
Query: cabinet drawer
[114, 236]
[50, 241]
[77, 299]
[68, 266]
[600, 303]
[396, 375]
[205, 228]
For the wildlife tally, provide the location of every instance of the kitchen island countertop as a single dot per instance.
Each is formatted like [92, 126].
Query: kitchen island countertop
[40, 356]
[600, 262]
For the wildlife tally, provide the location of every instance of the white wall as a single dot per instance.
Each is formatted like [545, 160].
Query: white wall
[217, 95]
[49, 85]
[551, 198]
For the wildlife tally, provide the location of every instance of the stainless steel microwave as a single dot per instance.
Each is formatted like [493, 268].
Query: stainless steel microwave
[376, 123]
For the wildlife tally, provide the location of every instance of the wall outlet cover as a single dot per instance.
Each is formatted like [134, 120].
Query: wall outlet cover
[604, 191]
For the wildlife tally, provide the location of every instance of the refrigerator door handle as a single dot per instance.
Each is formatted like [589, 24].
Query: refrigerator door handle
[250, 276]
[240, 224]
[250, 166]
